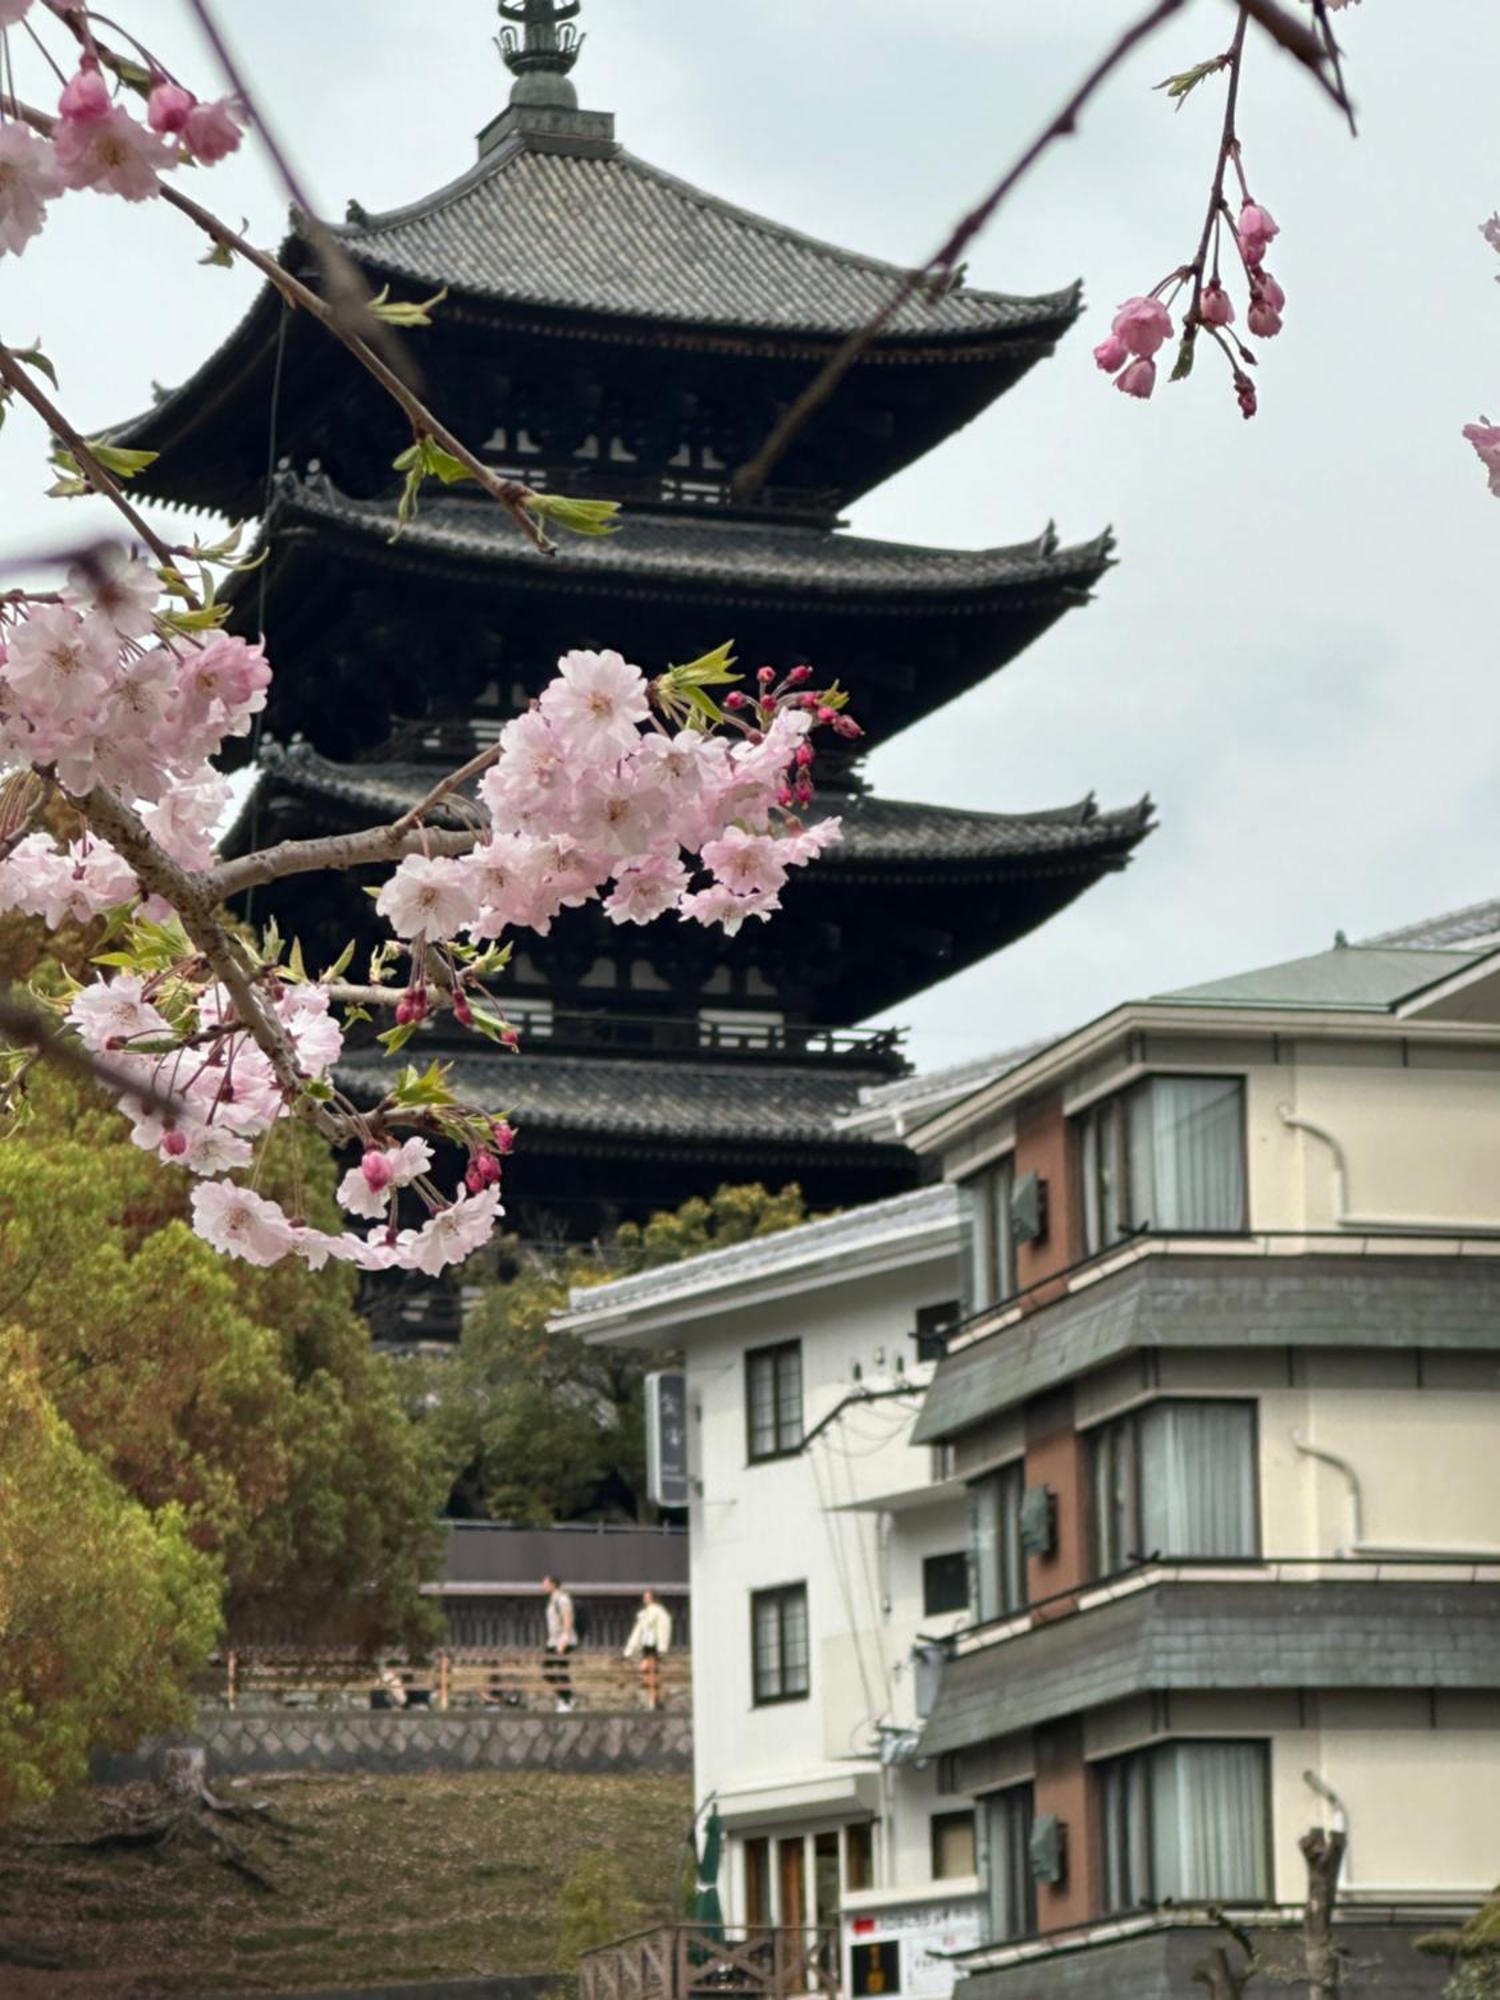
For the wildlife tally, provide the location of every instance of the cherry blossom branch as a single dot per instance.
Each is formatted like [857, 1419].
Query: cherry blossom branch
[27, 1027]
[337, 851]
[18, 378]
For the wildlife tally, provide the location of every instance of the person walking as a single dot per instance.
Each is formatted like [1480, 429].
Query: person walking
[650, 1640]
[562, 1637]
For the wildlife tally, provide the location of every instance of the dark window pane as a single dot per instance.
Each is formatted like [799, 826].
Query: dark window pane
[859, 1855]
[1010, 1884]
[945, 1583]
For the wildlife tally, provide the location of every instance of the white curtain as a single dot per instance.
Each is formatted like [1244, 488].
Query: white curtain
[1187, 1163]
[1007, 1832]
[1208, 1822]
[1198, 1478]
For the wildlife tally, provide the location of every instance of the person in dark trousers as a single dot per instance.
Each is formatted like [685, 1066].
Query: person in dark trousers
[562, 1637]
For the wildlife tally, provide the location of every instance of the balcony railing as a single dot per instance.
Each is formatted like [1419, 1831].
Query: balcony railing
[563, 1029]
[703, 1962]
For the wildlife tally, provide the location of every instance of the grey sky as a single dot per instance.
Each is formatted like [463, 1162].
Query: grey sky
[1296, 652]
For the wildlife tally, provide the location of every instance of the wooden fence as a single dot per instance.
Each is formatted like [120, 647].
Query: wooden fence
[454, 1678]
[700, 1962]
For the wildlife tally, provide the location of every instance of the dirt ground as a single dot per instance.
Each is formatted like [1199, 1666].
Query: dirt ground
[385, 1879]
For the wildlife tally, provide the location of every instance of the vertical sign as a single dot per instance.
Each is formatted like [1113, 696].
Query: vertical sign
[666, 1438]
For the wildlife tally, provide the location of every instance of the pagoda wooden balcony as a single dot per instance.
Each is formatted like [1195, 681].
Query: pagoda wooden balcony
[701, 1962]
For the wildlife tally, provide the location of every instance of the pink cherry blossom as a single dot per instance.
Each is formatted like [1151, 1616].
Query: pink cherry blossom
[29, 178]
[120, 587]
[241, 1223]
[1139, 379]
[168, 107]
[184, 821]
[113, 1011]
[113, 154]
[85, 95]
[719, 906]
[212, 131]
[1216, 306]
[1143, 324]
[428, 896]
[1263, 319]
[1485, 438]
[59, 664]
[1255, 229]
[647, 890]
[1111, 353]
[1266, 287]
[453, 1234]
[748, 863]
[596, 704]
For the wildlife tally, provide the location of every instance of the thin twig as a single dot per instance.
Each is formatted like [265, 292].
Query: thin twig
[27, 1027]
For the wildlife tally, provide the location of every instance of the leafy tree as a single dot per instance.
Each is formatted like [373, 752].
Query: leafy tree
[248, 1400]
[544, 1426]
[106, 1607]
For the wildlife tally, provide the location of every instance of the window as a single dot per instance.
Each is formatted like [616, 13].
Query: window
[988, 1249]
[859, 1855]
[953, 1849]
[778, 1638]
[773, 1399]
[945, 1583]
[934, 1324]
[999, 1579]
[1185, 1821]
[757, 1881]
[1169, 1153]
[1009, 1884]
[1174, 1479]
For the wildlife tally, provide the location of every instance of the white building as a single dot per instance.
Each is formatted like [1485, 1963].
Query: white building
[823, 1555]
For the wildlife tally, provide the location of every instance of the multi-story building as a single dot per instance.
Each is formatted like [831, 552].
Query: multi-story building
[1226, 1402]
[826, 1564]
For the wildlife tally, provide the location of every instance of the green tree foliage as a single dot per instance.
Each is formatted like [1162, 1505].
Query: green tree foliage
[545, 1427]
[106, 1607]
[248, 1401]
[595, 1905]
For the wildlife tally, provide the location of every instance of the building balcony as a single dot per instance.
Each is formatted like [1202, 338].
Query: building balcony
[1263, 1624]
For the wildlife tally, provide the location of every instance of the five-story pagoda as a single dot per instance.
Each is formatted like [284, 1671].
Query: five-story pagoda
[609, 330]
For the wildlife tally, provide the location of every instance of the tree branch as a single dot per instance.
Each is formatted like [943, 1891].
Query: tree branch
[28, 1027]
[336, 851]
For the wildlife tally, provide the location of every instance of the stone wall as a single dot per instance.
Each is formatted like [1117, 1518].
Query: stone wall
[357, 1740]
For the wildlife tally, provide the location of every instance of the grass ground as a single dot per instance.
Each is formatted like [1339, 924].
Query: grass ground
[386, 1879]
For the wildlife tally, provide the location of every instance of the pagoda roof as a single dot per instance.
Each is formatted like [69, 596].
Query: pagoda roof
[603, 232]
[740, 560]
[899, 838]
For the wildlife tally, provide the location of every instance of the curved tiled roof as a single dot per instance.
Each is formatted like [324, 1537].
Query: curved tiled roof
[707, 548]
[894, 834]
[604, 232]
[1476, 921]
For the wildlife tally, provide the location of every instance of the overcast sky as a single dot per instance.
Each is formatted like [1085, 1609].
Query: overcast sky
[1296, 653]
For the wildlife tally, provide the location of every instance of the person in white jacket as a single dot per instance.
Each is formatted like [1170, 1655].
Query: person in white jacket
[650, 1639]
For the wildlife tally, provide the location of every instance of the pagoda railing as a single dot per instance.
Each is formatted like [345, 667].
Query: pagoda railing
[707, 1962]
[679, 1034]
[682, 488]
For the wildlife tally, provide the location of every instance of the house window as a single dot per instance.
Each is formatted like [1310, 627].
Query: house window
[953, 1848]
[778, 1639]
[859, 1855]
[988, 1249]
[773, 1399]
[1010, 1887]
[998, 1585]
[1167, 1154]
[1174, 1479]
[757, 1881]
[1186, 1821]
[934, 1324]
[945, 1583]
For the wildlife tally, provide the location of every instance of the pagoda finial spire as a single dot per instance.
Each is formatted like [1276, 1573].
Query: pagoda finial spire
[543, 52]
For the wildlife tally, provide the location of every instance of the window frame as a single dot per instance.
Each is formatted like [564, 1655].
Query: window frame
[1088, 1139]
[773, 1354]
[1020, 1798]
[938, 1824]
[1011, 1479]
[988, 1237]
[1131, 1420]
[1142, 1759]
[779, 1594]
[954, 1563]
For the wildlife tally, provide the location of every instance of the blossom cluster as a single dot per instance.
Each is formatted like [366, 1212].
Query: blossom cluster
[1143, 325]
[591, 794]
[96, 142]
[1485, 436]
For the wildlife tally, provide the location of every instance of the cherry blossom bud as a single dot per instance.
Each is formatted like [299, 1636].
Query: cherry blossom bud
[1139, 379]
[489, 1168]
[798, 675]
[765, 675]
[1142, 324]
[1263, 319]
[827, 714]
[734, 699]
[1216, 306]
[474, 1179]
[1111, 353]
[805, 753]
[1244, 390]
[1257, 222]
[504, 1136]
[784, 797]
[377, 1170]
[175, 1144]
[810, 700]
[847, 726]
[85, 95]
[509, 1038]
[168, 107]
[463, 1013]
[1266, 288]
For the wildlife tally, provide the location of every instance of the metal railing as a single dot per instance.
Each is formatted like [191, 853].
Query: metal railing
[704, 1962]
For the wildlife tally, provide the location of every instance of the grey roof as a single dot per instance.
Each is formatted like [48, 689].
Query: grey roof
[1205, 1301]
[892, 834]
[1452, 928]
[1324, 1634]
[757, 558]
[1373, 978]
[581, 1553]
[752, 1105]
[898, 1106]
[606, 233]
[846, 1234]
